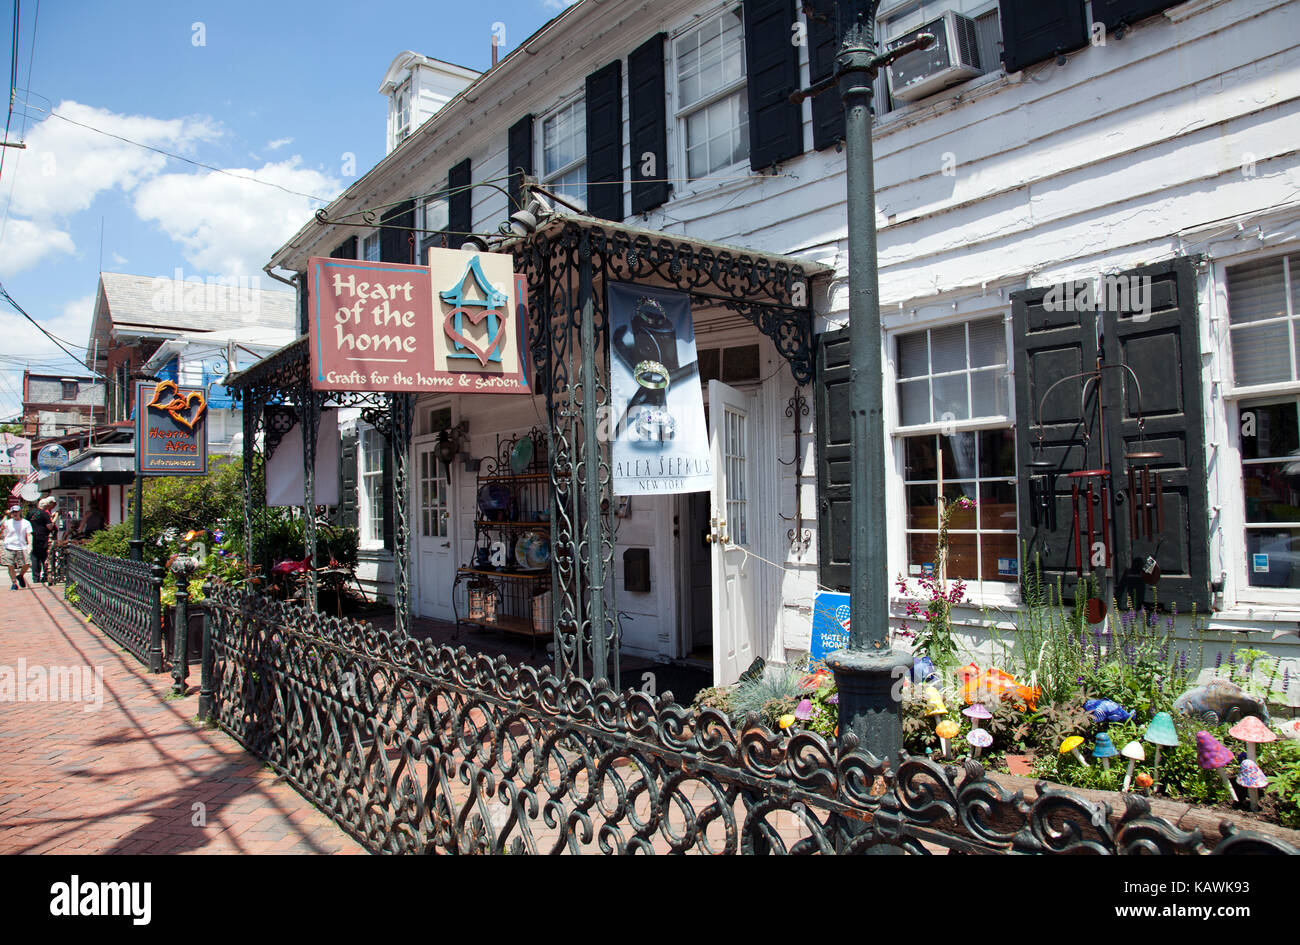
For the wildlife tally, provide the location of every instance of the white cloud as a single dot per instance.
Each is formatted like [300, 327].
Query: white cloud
[279, 143]
[228, 226]
[23, 343]
[24, 243]
[68, 166]
[555, 6]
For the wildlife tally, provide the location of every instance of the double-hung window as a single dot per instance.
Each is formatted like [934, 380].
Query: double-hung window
[955, 433]
[1264, 331]
[712, 105]
[371, 475]
[370, 248]
[564, 152]
[431, 217]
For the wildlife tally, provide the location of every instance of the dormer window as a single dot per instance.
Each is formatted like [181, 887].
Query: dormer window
[402, 115]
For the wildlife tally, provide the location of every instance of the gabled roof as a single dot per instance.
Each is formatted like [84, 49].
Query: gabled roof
[158, 306]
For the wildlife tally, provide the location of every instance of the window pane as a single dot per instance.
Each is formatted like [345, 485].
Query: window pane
[913, 355]
[997, 453]
[914, 402]
[958, 456]
[988, 391]
[1272, 556]
[950, 398]
[1261, 354]
[988, 343]
[1272, 491]
[1268, 430]
[921, 512]
[948, 349]
[1000, 555]
[997, 506]
[918, 458]
[1256, 290]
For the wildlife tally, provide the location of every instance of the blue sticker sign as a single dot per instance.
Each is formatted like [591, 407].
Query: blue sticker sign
[1260, 563]
[1008, 567]
[830, 624]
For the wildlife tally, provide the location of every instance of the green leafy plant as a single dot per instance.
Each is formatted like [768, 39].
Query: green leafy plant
[770, 695]
[1045, 727]
[1281, 762]
[70, 593]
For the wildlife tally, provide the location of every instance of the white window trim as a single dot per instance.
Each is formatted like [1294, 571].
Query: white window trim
[1229, 525]
[686, 189]
[545, 179]
[979, 594]
[364, 542]
[365, 241]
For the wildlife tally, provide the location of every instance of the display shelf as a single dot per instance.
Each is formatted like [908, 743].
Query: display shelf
[520, 626]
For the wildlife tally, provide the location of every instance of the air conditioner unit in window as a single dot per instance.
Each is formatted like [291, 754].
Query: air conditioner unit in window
[953, 58]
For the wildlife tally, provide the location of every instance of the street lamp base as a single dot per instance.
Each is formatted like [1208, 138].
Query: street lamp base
[870, 685]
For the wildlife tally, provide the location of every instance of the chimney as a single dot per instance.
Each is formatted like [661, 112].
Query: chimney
[494, 49]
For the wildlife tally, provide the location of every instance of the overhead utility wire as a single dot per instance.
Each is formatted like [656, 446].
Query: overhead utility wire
[179, 157]
[13, 89]
[4, 293]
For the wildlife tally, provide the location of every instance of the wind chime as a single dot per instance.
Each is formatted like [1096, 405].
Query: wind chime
[1095, 519]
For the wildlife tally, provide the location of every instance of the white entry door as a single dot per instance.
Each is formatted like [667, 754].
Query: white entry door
[733, 527]
[435, 566]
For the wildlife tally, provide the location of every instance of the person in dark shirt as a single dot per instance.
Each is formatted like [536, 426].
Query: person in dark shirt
[43, 532]
[91, 523]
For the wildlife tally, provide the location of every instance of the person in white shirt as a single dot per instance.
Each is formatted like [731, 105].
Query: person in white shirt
[16, 549]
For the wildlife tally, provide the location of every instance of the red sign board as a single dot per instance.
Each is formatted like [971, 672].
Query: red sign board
[459, 324]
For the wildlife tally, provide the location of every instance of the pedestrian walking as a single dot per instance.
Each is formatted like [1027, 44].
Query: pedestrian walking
[15, 546]
[43, 532]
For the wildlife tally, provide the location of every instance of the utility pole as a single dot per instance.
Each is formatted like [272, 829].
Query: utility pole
[868, 669]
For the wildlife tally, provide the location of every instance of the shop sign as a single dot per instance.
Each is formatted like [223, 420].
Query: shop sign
[459, 324]
[15, 455]
[661, 441]
[171, 430]
[51, 458]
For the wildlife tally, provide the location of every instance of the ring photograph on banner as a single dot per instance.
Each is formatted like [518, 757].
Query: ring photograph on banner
[661, 441]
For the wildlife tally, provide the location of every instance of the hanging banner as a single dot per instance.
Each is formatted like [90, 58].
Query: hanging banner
[15, 455]
[661, 442]
[171, 430]
[459, 324]
[284, 467]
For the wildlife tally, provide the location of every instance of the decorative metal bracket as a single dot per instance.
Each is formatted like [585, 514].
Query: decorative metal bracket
[279, 421]
[799, 537]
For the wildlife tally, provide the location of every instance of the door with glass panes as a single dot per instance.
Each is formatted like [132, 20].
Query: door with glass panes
[732, 532]
[435, 567]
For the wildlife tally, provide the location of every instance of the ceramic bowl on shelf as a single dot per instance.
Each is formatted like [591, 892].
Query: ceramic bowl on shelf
[521, 456]
[494, 502]
[533, 550]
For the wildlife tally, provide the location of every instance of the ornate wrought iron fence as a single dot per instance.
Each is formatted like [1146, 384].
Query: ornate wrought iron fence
[414, 748]
[56, 561]
[123, 598]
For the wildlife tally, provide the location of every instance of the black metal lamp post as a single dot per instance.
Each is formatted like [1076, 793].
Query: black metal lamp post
[182, 566]
[137, 542]
[867, 671]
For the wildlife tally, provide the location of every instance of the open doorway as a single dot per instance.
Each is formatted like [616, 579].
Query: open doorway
[697, 579]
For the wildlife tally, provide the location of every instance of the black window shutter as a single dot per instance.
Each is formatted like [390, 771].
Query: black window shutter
[346, 511]
[831, 394]
[1051, 344]
[1036, 30]
[772, 64]
[1113, 13]
[345, 250]
[1161, 345]
[647, 124]
[460, 204]
[397, 228]
[1162, 350]
[519, 149]
[387, 486]
[823, 48]
[605, 142]
[304, 304]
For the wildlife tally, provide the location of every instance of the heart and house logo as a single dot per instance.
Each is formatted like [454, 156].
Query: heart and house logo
[186, 409]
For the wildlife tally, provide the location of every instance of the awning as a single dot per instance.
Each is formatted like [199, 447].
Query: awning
[108, 465]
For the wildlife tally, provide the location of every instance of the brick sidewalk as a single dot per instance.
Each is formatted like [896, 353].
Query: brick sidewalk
[135, 774]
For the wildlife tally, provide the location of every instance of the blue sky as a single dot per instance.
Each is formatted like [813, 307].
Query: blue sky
[277, 90]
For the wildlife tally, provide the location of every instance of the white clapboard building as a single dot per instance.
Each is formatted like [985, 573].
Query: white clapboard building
[1050, 174]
